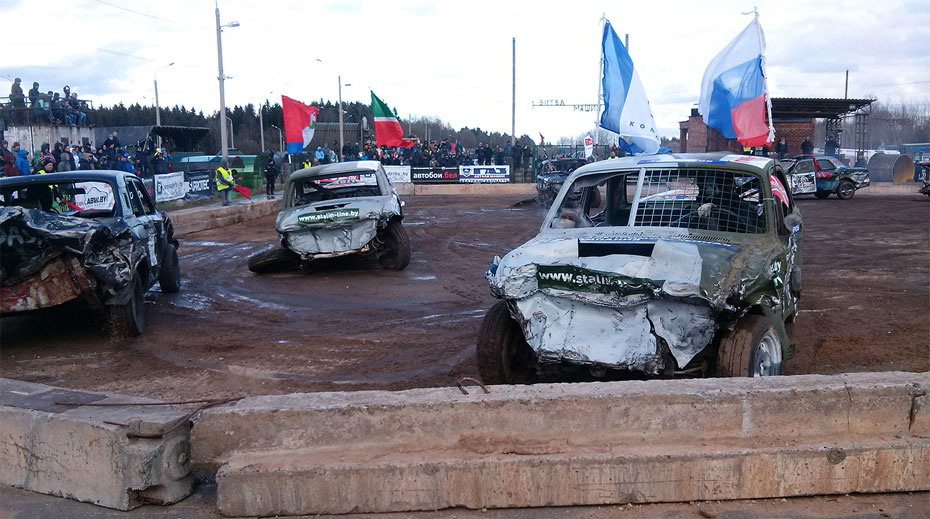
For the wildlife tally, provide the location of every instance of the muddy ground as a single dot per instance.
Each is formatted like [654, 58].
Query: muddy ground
[352, 325]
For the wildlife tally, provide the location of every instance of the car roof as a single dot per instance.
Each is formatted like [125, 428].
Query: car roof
[335, 169]
[671, 160]
[69, 176]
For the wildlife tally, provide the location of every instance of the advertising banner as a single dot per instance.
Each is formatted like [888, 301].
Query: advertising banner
[169, 186]
[197, 183]
[484, 174]
[398, 174]
[96, 195]
[434, 175]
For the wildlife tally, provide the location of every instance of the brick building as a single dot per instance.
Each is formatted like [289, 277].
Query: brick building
[794, 119]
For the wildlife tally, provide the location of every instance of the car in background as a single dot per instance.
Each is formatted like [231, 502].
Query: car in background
[681, 265]
[824, 175]
[90, 236]
[337, 210]
[552, 174]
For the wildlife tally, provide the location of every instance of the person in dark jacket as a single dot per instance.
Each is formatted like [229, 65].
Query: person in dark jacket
[159, 162]
[781, 148]
[17, 100]
[271, 175]
[807, 147]
[830, 147]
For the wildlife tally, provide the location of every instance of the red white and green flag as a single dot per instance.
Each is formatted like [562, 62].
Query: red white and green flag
[388, 131]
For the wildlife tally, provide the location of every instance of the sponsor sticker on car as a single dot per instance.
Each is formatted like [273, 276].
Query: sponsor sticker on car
[332, 215]
[571, 278]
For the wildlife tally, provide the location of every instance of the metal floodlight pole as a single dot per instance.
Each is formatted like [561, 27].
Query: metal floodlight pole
[513, 95]
[232, 140]
[341, 136]
[280, 138]
[261, 128]
[222, 78]
[157, 107]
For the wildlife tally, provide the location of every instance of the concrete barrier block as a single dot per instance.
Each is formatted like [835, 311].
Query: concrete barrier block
[531, 417]
[288, 483]
[83, 452]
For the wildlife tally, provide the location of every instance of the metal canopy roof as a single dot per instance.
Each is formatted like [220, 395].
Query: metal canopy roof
[815, 108]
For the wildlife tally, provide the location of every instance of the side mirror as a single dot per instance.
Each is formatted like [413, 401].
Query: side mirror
[792, 223]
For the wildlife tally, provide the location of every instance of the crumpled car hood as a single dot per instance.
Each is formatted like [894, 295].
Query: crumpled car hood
[597, 295]
[29, 238]
[333, 226]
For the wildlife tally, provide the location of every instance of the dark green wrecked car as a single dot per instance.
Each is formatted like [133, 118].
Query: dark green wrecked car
[335, 210]
[664, 265]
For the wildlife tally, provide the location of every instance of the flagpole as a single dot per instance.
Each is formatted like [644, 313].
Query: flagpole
[765, 79]
[600, 73]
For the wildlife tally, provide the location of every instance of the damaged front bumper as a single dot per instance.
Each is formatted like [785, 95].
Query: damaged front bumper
[60, 280]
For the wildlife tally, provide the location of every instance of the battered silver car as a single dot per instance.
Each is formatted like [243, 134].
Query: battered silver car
[336, 210]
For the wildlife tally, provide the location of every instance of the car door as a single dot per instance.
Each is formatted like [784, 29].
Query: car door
[148, 223]
[788, 226]
[802, 178]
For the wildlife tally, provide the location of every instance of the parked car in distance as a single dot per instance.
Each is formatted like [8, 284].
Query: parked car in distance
[91, 236]
[336, 210]
[681, 265]
[829, 176]
[552, 174]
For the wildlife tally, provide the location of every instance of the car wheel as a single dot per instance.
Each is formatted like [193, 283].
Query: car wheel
[128, 320]
[845, 190]
[273, 260]
[751, 349]
[169, 277]
[504, 357]
[822, 194]
[396, 252]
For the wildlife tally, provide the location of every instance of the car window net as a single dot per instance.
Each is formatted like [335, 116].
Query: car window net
[698, 199]
[308, 191]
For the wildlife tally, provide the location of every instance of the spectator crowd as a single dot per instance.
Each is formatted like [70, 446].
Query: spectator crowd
[48, 107]
[142, 158]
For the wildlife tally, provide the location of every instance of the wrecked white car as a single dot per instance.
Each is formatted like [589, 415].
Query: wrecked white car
[667, 265]
[337, 210]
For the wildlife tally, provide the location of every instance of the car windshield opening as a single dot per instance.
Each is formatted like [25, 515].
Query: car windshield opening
[699, 199]
[86, 199]
[345, 185]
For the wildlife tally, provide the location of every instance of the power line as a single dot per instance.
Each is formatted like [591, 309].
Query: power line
[125, 54]
[140, 13]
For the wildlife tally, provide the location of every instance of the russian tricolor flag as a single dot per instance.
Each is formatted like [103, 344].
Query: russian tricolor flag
[733, 91]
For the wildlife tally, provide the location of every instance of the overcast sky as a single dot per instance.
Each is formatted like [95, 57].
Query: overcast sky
[453, 59]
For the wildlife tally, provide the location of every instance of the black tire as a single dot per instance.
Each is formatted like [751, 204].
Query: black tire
[128, 320]
[504, 357]
[273, 260]
[822, 194]
[169, 277]
[396, 252]
[845, 190]
[741, 352]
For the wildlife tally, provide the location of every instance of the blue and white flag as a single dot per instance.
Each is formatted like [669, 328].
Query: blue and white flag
[626, 109]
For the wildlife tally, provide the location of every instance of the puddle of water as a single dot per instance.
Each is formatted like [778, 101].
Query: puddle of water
[196, 243]
[406, 222]
[424, 278]
[192, 301]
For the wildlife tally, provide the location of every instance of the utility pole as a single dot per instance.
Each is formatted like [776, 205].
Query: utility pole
[513, 96]
[261, 128]
[341, 136]
[158, 108]
[222, 78]
[845, 90]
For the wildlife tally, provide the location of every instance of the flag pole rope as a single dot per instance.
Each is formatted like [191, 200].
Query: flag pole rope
[765, 78]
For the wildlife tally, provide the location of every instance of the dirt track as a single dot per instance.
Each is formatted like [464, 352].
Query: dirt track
[865, 307]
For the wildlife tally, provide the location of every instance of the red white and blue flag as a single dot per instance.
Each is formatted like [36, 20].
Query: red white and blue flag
[733, 91]
[299, 123]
